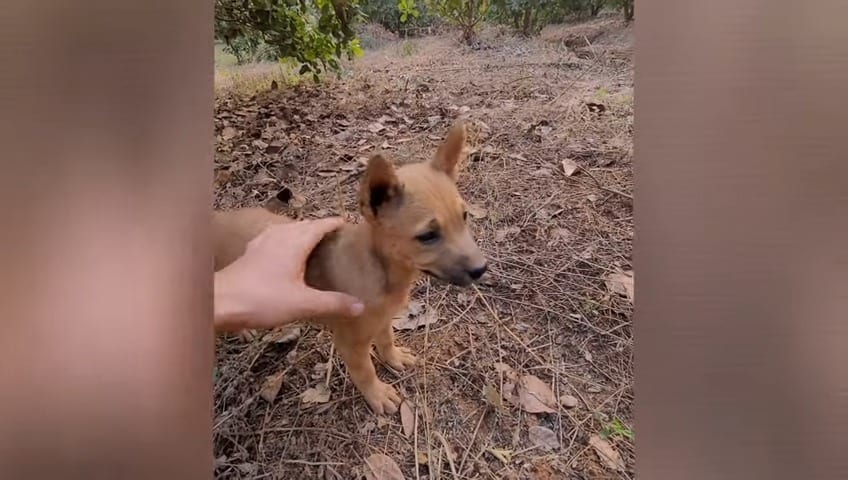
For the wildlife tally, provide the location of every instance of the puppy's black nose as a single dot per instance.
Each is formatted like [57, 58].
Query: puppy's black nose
[476, 273]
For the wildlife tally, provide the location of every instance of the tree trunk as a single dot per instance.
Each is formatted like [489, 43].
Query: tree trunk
[525, 29]
[595, 8]
[628, 11]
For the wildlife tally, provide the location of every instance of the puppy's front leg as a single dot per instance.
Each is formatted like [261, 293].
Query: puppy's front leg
[381, 397]
[397, 357]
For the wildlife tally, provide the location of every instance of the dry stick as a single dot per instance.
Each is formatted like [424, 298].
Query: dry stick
[329, 366]
[473, 438]
[447, 453]
[427, 431]
[305, 462]
[415, 442]
[501, 324]
[601, 186]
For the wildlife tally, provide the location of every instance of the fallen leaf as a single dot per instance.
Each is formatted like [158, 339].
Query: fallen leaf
[504, 233]
[535, 396]
[228, 132]
[505, 456]
[272, 386]
[317, 394]
[476, 211]
[282, 335]
[611, 458]
[622, 284]
[493, 396]
[275, 147]
[543, 437]
[260, 144]
[222, 177]
[376, 127]
[407, 419]
[416, 315]
[568, 401]
[382, 467]
[569, 167]
[422, 458]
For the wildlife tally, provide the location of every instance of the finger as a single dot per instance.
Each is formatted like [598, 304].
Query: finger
[333, 303]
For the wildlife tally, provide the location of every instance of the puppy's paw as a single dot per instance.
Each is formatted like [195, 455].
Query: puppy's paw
[399, 358]
[382, 398]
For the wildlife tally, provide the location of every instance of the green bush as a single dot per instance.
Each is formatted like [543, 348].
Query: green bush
[528, 17]
[403, 17]
[315, 33]
[466, 14]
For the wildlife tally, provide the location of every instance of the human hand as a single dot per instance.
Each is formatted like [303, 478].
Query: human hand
[265, 287]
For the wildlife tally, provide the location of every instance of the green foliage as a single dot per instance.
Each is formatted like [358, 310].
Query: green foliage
[404, 17]
[315, 33]
[528, 17]
[466, 14]
[626, 7]
[408, 9]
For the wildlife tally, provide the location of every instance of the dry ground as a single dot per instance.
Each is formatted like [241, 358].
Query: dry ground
[553, 239]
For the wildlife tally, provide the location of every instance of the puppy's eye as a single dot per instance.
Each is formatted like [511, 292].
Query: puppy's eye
[428, 238]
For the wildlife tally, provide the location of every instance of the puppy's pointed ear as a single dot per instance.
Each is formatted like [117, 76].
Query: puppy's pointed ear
[450, 152]
[380, 187]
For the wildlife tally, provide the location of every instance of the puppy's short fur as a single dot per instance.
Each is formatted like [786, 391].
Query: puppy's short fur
[415, 221]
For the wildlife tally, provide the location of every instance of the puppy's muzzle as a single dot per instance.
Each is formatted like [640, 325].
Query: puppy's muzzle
[462, 278]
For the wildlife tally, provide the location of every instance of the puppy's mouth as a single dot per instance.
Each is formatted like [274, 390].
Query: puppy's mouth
[460, 282]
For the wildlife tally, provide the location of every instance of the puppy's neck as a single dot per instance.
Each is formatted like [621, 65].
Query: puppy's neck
[398, 275]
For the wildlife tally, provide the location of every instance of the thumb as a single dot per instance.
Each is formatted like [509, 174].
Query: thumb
[335, 303]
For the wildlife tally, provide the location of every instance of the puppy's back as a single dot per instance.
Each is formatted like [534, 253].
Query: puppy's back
[233, 229]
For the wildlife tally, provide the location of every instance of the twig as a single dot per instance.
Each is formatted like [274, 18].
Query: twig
[447, 454]
[601, 186]
[473, 438]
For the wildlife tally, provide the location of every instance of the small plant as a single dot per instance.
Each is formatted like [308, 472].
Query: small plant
[408, 48]
[617, 429]
[466, 14]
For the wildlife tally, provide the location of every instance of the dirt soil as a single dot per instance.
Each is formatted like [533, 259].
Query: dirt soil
[527, 376]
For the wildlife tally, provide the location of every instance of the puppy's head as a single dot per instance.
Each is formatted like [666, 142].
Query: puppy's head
[418, 216]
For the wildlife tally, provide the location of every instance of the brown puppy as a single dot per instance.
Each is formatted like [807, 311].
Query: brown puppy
[414, 222]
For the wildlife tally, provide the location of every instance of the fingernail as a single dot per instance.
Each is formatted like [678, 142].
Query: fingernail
[357, 308]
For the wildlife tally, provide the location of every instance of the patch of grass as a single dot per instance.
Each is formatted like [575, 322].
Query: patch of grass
[257, 77]
[222, 58]
[408, 48]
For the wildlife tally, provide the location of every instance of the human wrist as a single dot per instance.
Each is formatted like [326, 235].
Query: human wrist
[231, 312]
